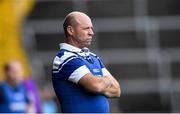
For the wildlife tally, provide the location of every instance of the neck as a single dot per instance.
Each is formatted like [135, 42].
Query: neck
[72, 42]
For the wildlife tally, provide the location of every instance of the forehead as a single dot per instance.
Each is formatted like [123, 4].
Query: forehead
[14, 65]
[83, 21]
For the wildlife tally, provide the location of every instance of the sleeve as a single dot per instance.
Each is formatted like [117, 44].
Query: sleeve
[74, 69]
[103, 68]
[101, 63]
[105, 72]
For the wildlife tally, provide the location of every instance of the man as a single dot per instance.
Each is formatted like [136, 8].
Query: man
[80, 79]
[13, 97]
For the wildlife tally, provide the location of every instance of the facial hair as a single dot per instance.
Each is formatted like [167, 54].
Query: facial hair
[83, 43]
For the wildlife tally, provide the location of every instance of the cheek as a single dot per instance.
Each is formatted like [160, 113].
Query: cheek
[82, 35]
[11, 75]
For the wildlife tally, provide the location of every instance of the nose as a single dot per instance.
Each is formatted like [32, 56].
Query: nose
[91, 32]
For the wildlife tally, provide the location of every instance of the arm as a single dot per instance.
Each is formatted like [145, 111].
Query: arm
[95, 84]
[80, 74]
[106, 85]
[113, 90]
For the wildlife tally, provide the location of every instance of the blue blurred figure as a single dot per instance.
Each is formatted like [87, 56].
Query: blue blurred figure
[48, 104]
[13, 96]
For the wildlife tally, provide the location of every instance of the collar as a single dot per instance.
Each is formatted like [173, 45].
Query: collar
[69, 47]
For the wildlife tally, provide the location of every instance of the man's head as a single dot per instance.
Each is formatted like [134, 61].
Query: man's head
[78, 29]
[13, 71]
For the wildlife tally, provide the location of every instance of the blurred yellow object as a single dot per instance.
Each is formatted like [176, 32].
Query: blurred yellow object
[12, 14]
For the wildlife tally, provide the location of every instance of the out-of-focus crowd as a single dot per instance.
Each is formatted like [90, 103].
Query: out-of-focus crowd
[21, 95]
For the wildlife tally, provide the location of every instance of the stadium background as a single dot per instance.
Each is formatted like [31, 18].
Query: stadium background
[139, 41]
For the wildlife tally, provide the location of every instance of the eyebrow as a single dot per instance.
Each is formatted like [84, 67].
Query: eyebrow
[87, 27]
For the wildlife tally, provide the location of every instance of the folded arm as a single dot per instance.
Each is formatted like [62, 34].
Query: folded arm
[106, 85]
[114, 89]
[95, 84]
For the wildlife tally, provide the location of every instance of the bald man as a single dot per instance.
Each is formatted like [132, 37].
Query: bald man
[80, 79]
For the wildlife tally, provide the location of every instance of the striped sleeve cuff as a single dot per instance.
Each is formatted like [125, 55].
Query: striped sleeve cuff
[78, 74]
[105, 72]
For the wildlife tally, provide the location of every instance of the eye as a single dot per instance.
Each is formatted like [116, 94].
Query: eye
[86, 28]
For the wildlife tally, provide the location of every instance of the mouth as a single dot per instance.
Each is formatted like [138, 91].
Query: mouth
[89, 40]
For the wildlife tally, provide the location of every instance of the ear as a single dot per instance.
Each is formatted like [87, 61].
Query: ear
[70, 30]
